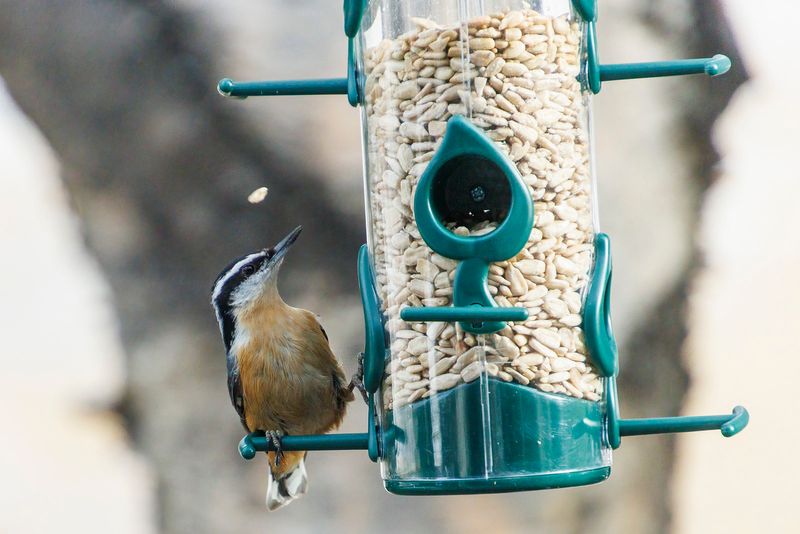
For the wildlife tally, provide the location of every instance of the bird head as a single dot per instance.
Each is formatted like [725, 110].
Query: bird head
[247, 280]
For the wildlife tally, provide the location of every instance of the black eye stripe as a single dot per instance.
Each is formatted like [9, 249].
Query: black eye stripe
[250, 268]
[223, 290]
[236, 278]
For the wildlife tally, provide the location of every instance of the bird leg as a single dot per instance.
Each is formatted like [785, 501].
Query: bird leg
[357, 380]
[274, 436]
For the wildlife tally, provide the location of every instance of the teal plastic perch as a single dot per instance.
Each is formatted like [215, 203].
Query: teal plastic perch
[473, 314]
[713, 66]
[323, 86]
[729, 425]
[257, 442]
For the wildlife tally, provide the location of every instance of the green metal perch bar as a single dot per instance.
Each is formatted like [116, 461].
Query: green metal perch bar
[713, 66]
[322, 86]
[257, 442]
[463, 313]
[729, 425]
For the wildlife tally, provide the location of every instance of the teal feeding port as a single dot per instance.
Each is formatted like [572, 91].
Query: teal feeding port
[490, 359]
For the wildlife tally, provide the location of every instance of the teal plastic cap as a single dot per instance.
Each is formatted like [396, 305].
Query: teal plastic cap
[737, 423]
[225, 87]
[717, 65]
[246, 448]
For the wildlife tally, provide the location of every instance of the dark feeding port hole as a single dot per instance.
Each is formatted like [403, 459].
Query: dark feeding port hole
[470, 189]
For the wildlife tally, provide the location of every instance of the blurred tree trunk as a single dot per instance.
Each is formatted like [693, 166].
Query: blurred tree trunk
[159, 165]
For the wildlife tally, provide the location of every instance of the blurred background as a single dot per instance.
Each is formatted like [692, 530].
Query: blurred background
[124, 185]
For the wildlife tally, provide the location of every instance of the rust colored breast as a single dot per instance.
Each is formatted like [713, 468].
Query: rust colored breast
[290, 378]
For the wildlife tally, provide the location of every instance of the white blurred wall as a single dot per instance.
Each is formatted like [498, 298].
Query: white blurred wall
[745, 314]
[65, 463]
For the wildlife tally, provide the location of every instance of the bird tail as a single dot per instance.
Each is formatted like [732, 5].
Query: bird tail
[286, 487]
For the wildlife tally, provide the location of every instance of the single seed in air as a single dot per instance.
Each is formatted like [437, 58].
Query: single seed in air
[258, 195]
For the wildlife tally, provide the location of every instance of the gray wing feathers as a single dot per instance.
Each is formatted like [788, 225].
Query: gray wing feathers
[235, 389]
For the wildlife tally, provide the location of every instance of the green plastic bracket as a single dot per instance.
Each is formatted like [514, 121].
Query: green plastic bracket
[373, 443]
[592, 58]
[712, 66]
[353, 75]
[375, 342]
[612, 412]
[587, 9]
[470, 290]
[729, 425]
[353, 12]
[597, 311]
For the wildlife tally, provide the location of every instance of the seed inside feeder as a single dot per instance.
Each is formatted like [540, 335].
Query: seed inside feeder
[523, 92]
[258, 195]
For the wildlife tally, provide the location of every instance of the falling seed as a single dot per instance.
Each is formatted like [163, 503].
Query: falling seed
[258, 195]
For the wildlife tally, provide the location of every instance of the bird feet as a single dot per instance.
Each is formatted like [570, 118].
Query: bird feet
[274, 436]
[357, 380]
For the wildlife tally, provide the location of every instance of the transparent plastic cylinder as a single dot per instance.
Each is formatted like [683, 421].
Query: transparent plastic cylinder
[463, 412]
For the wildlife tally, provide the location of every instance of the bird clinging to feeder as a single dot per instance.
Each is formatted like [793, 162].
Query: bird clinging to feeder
[283, 377]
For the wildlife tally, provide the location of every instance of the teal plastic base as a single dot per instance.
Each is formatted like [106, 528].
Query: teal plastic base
[498, 485]
[495, 437]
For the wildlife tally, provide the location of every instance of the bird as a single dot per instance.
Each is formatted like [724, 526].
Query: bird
[283, 377]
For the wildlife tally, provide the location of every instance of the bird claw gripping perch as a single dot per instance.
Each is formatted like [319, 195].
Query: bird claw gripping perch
[357, 380]
[275, 436]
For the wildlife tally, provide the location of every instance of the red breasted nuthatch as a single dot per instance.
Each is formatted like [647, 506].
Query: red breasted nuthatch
[282, 376]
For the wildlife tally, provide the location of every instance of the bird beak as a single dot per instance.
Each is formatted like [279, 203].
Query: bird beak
[283, 246]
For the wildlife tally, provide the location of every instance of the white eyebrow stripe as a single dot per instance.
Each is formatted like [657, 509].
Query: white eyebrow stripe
[232, 271]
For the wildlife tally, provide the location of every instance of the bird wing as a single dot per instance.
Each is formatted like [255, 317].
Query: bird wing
[324, 333]
[343, 393]
[235, 388]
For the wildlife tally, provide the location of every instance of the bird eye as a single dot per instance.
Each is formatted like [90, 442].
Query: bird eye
[248, 270]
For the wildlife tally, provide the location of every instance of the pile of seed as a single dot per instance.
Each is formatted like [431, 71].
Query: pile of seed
[513, 74]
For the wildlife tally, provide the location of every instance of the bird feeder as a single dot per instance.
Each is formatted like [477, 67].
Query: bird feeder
[490, 360]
